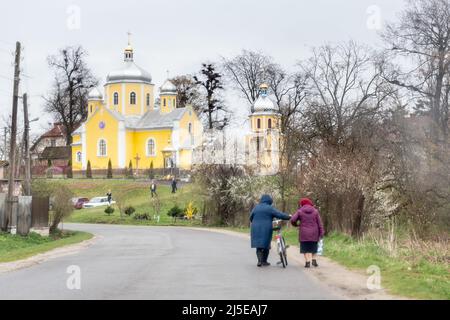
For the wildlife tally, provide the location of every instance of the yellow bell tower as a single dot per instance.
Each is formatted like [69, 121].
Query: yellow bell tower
[262, 144]
[168, 97]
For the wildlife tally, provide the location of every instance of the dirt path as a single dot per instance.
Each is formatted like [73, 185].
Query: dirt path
[350, 284]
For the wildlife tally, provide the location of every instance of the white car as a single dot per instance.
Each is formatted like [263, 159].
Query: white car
[97, 202]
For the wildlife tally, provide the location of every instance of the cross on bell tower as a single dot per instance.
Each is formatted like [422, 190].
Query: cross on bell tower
[129, 49]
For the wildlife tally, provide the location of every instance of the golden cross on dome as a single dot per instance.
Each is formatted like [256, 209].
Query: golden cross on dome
[129, 37]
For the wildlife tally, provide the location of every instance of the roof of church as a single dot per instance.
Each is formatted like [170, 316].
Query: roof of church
[130, 72]
[155, 119]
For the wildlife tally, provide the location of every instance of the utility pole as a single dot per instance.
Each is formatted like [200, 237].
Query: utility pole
[12, 154]
[26, 142]
[5, 154]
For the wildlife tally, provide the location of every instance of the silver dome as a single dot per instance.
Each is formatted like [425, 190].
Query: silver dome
[129, 73]
[264, 103]
[168, 87]
[95, 94]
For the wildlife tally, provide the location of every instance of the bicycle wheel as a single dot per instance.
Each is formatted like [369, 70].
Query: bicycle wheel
[283, 244]
[282, 252]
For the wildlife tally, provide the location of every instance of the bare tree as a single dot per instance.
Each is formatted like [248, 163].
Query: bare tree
[214, 108]
[345, 86]
[247, 72]
[68, 99]
[187, 91]
[422, 36]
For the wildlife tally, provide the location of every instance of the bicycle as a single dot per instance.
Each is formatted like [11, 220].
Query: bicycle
[281, 243]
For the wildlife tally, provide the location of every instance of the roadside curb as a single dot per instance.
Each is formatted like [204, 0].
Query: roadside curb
[45, 256]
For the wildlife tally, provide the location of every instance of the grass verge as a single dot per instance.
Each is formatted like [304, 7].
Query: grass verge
[14, 247]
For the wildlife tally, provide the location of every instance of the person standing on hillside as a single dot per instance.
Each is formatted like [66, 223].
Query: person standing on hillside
[174, 185]
[109, 195]
[153, 189]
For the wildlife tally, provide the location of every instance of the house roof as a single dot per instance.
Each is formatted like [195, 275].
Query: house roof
[54, 153]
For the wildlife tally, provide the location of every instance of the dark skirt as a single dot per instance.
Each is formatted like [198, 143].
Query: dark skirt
[308, 247]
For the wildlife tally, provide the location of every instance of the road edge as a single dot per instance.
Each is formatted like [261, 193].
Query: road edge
[343, 282]
[39, 258]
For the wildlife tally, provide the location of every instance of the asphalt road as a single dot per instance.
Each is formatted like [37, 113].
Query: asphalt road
[128, 262]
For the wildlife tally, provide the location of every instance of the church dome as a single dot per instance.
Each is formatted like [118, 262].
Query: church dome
[130, 72]
[95, 94]
[264, 103]
[168, 87]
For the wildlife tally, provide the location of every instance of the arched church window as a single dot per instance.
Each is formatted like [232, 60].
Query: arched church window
[132, 98]
[164, 102]
[101, 148]
[151, 147]
[78, 156]
[258, 123]
[174, 103]
[116, 98]
[91, 107]
[148, 99]
[269, 124]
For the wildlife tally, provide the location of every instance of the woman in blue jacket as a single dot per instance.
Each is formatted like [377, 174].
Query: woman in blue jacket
[261, 228]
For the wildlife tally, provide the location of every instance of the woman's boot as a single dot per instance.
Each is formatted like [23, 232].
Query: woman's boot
[265, 256]
[259, 255]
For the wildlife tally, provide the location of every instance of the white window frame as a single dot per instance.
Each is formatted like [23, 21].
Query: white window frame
[147, 149]
[98, 148]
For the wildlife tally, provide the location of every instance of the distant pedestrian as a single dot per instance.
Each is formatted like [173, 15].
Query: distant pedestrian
[153, 189]
[174, 185]
[109, 195]
[310, 230]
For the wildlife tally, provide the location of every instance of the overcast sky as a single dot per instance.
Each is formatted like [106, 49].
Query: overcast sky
[175, 35]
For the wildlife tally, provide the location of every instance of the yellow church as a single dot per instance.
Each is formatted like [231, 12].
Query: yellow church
[126, 125]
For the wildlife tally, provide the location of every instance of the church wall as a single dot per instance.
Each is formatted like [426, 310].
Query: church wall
[75, 149]
[94, 134]
[162, 138]
[110, 90]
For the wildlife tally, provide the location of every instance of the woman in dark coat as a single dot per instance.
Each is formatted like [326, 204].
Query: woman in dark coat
[261, 227]
[310, 230]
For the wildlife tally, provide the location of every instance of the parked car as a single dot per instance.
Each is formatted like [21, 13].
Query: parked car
[79, 202]
[97, 202]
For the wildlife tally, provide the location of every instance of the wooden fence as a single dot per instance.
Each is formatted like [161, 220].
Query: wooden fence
[28, 212]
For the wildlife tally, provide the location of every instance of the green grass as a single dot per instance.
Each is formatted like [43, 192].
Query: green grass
[420, 279]
[15, 247]
[137, 195]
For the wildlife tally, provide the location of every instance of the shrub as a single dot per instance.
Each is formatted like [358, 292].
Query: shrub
[129, 211]
[151, 171]
[109, 210]
[129, 172]
[142, 216]
[175, 212]
[62, 205]
[69, 170]
[190, 211]
[109, 175]
[89, 170]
